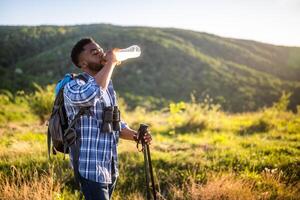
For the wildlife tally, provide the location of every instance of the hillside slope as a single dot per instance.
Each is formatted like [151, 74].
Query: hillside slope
[240, 75]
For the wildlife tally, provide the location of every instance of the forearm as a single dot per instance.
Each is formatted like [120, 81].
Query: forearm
[128, 134]
[104, 75]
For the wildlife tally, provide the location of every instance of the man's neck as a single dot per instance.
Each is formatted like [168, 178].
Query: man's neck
[90, 72]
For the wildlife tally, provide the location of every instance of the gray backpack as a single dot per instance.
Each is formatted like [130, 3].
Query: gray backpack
[62, 134]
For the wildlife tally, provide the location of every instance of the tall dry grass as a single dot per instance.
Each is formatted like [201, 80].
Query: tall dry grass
[217, 188]
[36, 187]
[232, 187]
[274, 186]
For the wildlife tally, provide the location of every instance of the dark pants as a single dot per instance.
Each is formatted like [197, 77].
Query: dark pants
[97, 191]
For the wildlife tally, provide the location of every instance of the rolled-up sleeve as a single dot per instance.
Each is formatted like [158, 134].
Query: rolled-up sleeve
[79, 93]
[123, 125]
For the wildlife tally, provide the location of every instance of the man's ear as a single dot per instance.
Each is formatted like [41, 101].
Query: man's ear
[81, 60]
[83, 64]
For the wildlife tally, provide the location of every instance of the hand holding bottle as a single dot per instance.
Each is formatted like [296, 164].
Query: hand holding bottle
[110, 56]
[133, 51]
[116, 56]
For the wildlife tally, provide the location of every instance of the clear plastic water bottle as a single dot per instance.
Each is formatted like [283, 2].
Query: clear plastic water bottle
[133, 51]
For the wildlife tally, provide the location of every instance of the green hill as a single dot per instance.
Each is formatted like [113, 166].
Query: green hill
[240, 75]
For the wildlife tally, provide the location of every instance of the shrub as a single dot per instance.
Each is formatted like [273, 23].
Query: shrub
[283, 102]
[191, 117]
[14, 108]
[41, 101]
[258, 126]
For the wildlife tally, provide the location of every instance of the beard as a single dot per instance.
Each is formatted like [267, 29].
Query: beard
[96, 67]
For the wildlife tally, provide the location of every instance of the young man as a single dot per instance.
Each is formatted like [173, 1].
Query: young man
[98, 159]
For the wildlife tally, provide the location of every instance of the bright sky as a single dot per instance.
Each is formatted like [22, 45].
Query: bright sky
[271, 21]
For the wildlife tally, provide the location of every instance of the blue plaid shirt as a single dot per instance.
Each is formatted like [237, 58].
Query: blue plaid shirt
[98, 150]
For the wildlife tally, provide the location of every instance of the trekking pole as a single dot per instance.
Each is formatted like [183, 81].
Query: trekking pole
[151, 172]
[146, 172]
[147, 160]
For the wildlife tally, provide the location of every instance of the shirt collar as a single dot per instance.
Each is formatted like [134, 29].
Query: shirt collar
[87, 76]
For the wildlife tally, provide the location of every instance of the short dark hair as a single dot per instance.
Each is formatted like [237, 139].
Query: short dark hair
[78, 48]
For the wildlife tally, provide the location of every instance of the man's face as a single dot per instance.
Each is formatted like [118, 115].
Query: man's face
[93, 57]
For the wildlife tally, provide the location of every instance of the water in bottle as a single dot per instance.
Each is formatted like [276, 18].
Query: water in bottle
[133, 51]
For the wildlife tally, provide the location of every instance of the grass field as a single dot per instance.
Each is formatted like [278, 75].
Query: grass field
[198, 152]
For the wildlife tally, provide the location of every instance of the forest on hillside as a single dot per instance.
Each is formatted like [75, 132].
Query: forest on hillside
[239, 75]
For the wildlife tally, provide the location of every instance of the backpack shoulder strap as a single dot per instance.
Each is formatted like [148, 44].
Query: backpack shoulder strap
[82, 111]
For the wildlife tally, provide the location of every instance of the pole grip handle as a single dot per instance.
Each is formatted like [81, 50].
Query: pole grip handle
[141, 133]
